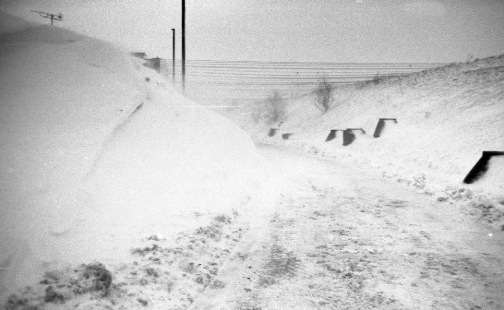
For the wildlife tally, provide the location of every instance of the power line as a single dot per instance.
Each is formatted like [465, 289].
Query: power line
[217, 82]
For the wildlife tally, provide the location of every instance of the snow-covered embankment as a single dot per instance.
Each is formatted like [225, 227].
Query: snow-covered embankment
[446, 118]
[99, 152]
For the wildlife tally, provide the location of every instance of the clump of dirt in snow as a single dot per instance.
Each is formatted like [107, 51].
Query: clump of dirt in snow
[485, 207]
[282, 264]
[183, 272]
[59, 286]
[159, 274]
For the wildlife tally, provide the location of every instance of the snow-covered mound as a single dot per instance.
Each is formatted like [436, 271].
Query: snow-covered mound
[98, 152]
[446, 118]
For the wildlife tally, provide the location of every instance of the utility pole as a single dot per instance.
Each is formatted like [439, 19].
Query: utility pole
[53, 17]
[183, 45]
[173, 55]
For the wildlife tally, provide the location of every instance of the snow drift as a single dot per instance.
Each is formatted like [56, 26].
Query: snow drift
[99, 151]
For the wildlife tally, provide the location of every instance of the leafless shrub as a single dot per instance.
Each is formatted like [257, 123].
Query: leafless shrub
[377, 79]
[276, 104]
[256, 114]
[324, 93]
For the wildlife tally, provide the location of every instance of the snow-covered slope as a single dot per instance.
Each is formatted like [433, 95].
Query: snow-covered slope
[98, 151]
[446, 118]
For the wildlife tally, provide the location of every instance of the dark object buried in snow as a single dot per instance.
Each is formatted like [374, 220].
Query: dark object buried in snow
[140, 55]
[333, 134]
[53, 296]
[62, 285]
[272, 132]
[154, 63]
[481, 167]
[381, 125]
[349, 135]
[286, 136]
[96, 278]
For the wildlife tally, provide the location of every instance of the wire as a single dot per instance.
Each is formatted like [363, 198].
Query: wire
[216, 82]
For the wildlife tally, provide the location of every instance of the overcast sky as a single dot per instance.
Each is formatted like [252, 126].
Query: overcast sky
[289, 30]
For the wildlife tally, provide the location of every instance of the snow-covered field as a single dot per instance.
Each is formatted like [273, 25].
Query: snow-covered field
[99, 152]
[446, 118]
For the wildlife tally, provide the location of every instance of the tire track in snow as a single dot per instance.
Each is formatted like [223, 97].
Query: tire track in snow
[379, 246]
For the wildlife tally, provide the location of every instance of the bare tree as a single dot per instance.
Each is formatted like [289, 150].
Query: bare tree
[324, 92]
[277, 106]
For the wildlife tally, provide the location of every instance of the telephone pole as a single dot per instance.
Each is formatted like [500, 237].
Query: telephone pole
[183, 44]
[173, 55]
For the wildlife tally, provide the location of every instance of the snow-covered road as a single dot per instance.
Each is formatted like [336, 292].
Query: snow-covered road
[341, 238]
[322, 235]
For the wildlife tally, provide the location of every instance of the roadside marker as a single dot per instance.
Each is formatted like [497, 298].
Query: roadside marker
[349, 135]
[333, 134]
[481, 167]
[272, 132]
[286, 136]
[381, 125]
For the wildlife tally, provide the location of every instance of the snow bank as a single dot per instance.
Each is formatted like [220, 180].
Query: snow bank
[99, 151]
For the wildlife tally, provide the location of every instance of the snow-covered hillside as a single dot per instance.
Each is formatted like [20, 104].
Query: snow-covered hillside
[446, 118]
[99, 152]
